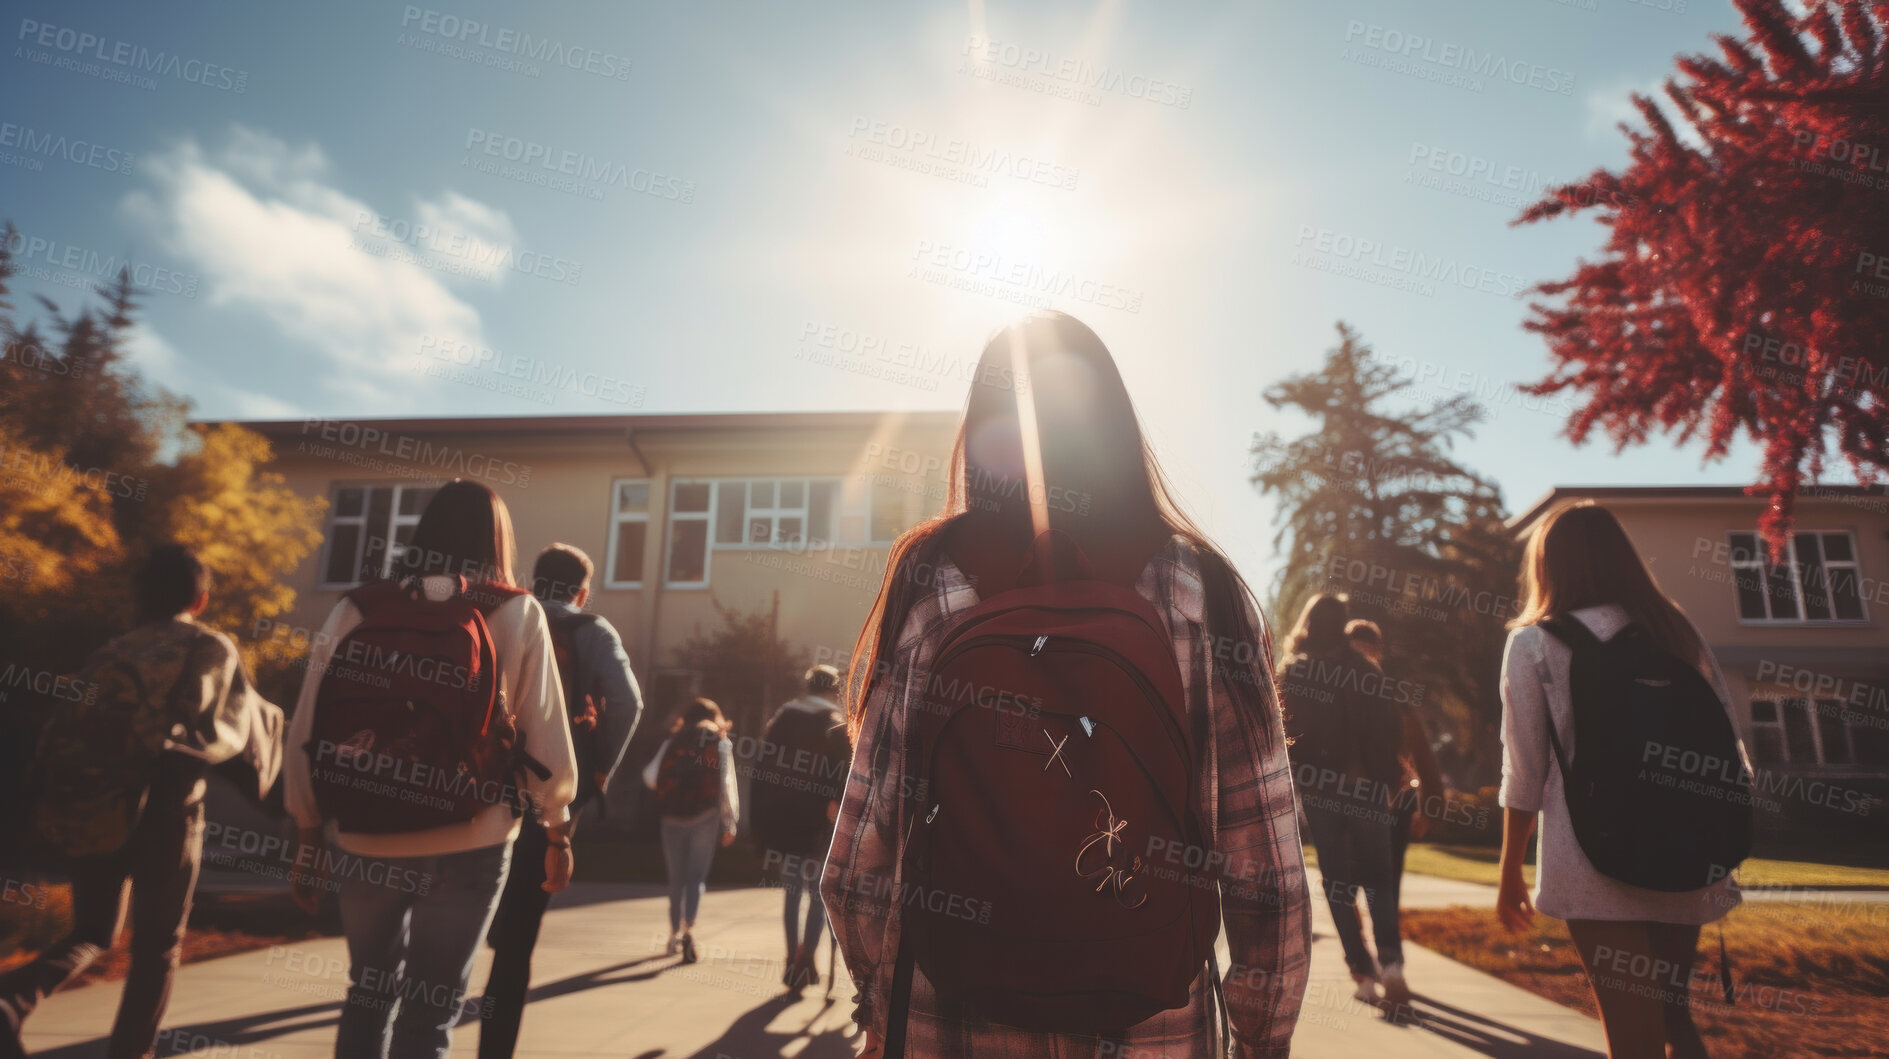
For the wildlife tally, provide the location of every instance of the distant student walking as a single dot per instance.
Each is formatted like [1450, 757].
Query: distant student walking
[1602, 677]
[439, 689]
[693, 775]
[798, 779]
[119, 781]
[1420, 783]
[1347, 729]
[604, 703]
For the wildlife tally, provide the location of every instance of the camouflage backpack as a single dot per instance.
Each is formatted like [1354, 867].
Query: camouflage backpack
[99, 752]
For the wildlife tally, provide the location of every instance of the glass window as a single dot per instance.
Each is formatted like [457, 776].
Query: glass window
[688, 551]
[820, 510]
[692, 496]
[730, 512]
[368, 528]
[793, 494]
[1802, 743]
[629, 534]
[348, 503]
[344, 553]
[1817, 579]
[761, 494]
[1833, 733]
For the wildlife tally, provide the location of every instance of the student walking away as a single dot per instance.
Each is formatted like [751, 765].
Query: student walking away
[693, 775]
[1617, 729]
[1346, 732]
[431, 730]
[603, 703]
[1069, 770]
[796, 788]
[118, 782]
[1420, 781]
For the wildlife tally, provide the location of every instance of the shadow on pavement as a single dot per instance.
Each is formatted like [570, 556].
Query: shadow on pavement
[602, 976]
[750, 1038]
[227, 1033]
[1491, 1038]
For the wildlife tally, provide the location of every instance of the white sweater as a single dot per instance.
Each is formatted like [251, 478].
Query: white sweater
[1535, 694]
[529, 678]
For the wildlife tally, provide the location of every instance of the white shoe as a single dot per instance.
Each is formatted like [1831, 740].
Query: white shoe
[1367, 988]
[675, 945]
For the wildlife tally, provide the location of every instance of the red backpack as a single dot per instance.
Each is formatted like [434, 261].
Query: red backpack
[689, 779]
[1052, 773]
[411, 730]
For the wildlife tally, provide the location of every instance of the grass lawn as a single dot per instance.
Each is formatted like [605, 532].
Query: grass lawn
[1810, 979]
[1480, 864]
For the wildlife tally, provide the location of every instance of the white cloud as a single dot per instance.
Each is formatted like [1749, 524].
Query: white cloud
[264, 224]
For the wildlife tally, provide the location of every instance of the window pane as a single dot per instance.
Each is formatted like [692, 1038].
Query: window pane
[1846, 593]
[888, 513]
[1797, 735]
[761, 529]
[1810, 569]
[688, 550]
[380, 506]
[793, 494]
[691, 496]
[820, 510]
[629, 558]
[413, 499]
[1835, 734]
[344, 547]
[762, 494]
[790, 530]
[1836, 548]
[731, 512]
[1750, 583]
[633, 496]
[1781, 589]
[1767, 746]
[1745, 548]
[348, 502]
[1763, 711]
[402, 534]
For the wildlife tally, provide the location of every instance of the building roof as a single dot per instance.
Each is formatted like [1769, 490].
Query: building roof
[622, 425]
[1699, 493]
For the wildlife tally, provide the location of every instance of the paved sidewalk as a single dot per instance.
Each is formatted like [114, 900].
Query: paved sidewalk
[603, 988]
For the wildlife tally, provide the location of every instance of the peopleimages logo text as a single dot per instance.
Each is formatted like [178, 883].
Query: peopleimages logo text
[1452, 56]
[512, 42]
[122, 53]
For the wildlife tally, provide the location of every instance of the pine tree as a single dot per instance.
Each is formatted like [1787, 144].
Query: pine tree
[1745, 282]
[1372, 504]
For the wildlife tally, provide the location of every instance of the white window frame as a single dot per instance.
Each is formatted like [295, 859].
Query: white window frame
[1813, 716]
[841, 512]
[1756, 563]
[618, 517]
[395, 522]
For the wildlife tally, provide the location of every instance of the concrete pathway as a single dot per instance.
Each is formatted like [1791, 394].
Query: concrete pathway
[603, 988]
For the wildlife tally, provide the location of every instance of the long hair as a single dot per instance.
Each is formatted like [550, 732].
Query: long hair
[1321, 628]
[1050, 440]
[1581, 557]
[701, 717]
[465, 530]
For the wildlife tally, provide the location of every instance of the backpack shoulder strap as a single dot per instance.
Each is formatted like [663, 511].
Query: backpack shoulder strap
[1570, 630]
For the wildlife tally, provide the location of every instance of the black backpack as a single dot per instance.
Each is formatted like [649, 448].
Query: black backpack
[1657, 792]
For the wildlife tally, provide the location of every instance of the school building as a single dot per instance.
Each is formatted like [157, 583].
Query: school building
[1803, 640]
[787, 513]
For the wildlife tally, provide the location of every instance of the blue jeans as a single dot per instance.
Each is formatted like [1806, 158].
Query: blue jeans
[801, 876]
[688, 849]
[1355, 853]
[413, 925]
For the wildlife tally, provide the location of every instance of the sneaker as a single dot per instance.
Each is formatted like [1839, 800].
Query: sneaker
[1367, 988]
[1396, 990]
[688, 948]
[675, 945]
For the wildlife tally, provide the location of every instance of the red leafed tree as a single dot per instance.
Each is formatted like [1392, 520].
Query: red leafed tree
[1745, 281]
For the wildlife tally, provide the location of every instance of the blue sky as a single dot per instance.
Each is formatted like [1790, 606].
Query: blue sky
[670, 208]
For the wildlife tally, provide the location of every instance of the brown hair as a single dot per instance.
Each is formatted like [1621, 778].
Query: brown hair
[560, 572]
[1321, 627]
[1580, 556]
[1363, 630]
[1050, 440]
[465, 530]
[703, 714]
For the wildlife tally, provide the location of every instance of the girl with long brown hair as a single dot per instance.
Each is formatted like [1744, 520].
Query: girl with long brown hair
[1580, 563]
[693, 776]
[1050, 441]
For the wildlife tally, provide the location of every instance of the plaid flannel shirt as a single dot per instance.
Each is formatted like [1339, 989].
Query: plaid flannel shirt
[1245, 786]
